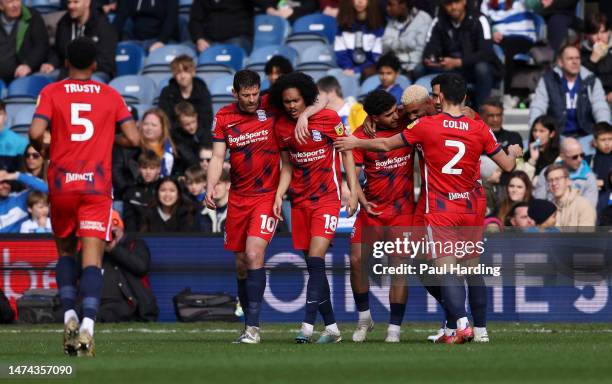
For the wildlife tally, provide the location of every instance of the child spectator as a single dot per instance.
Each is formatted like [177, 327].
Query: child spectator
[38, 207]
[189, 136]
[601, 163]
[195, 181]
[185, 86]
[388, 67]
[139, 197]
[213, 220]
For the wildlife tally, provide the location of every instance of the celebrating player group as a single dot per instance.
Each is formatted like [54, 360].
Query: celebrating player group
[285, 143]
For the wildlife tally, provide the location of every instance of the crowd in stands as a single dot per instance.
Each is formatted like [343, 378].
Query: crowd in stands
[542, 54]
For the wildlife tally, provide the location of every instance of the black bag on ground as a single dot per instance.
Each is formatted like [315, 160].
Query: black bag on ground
[195, 306]
[39, 306]
[7, 315]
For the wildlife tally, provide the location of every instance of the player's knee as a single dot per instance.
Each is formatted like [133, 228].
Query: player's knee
[254, 258]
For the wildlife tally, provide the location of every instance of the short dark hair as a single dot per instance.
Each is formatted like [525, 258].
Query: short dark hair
[281, 62]
[330, 84]
[246, 78]
[149, 158]
[556, 167]
[389, 60]
[301, 81]
[378, 102]
[565, 47]
[81, 52]
[601, 129]
[492, 102]
[517, 206]
[195, 173]
[594, 21]
[453, 87]
[185, 108]
[435, 81]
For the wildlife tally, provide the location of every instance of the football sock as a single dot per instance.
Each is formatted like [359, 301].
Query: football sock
[314, 288]
[477, 293]
[69, 314]
[307, 329]
[362, 301]
[243, 297]
[365, 315]
[325, 305]
[333, 328]
[397, 313]
[91, 290]
[393, 328]
[66, 275]
[87, 325]
[453, 298]
[462, 323]
[255, 287]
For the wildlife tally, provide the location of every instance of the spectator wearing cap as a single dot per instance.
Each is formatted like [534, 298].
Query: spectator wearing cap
[582, 178]
[543, 214]
[126, 263]
[573, 209]
[572, 95]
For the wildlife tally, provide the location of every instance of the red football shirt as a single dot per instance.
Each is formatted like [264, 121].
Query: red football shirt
[389, 175]
[254, 155]
[82, 115]
[452, 147]
[316, 165]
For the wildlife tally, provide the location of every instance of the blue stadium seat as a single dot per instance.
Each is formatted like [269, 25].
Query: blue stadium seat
[23, 119]
[159, 78]
[224, 55]
[317, 60]
[159, 60]
[316, 24]
[259, 57]
[136, 89]
[185, 6]
[45, 6]
[141, 109]
[372, 82]
[27, 87]
[221, 91]
[270, 30]
[129, 58]
[349, 84]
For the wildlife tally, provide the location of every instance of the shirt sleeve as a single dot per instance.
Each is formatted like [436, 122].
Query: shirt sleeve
[411, 134]
[333, 127]
[491, 146]
[44, 106]
[217, 129]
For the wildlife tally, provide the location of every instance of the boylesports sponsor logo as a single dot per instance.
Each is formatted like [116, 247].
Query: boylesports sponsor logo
[92, 225]
[70, 177]
[391, 163]
[458, 195]
[248, 138]
[307, 157]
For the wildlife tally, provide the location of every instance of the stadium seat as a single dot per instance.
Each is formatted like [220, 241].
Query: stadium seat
[135, 89]
[45, 6]
[23, 119]
[372, 82]
[315, 24]
[221, 91]
[141, 109]
[265, 84]
[269, 30]
[317, 60]
[349, 84]
[129, 58]
[27, 88]
[159, 78]
[223, 55]
[159, 60]
[259, 57]
[185, 6]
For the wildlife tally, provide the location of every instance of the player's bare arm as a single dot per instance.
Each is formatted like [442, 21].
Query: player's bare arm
[301, 127]
[377, 145]
[351, 179]
[365, 204]
[508, 162]
[215, 168]
[283, 184]
[131, 136]
[37, 133]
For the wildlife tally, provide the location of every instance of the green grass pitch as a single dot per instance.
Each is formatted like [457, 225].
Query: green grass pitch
[203, 353]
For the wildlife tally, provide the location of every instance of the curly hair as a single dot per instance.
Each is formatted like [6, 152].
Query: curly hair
[378, 102]
[298, 80]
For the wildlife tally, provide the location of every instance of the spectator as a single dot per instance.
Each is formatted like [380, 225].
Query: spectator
[596, 53]
[572, 95]
[155, 135]
[518, 216]
[83, 19]
[188, 136]
[170, 212]
[152, 22]
[559, 15]
[227, 21]
[13, 206]
[185, 86]
[12, 145]
[543, 214]
[518, 190]
[490, 174]
[125, 294]
[141, 195]
[293, 10]
[38, 208]
[543, 145]
[573, 209]
[330, 88]
[492, 113]
[580, 175]
[205, 156]
[213, 220]
[24, 42]
[276, 67]
[388, 67]
[601, 163]
[34, 163]
[460, 41]
[358, 42]
[493, 225]
[330, 7]
[513, 29]
[195, 181]
[405, 35]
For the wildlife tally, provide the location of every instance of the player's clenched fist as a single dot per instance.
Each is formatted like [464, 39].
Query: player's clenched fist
[210, 199]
